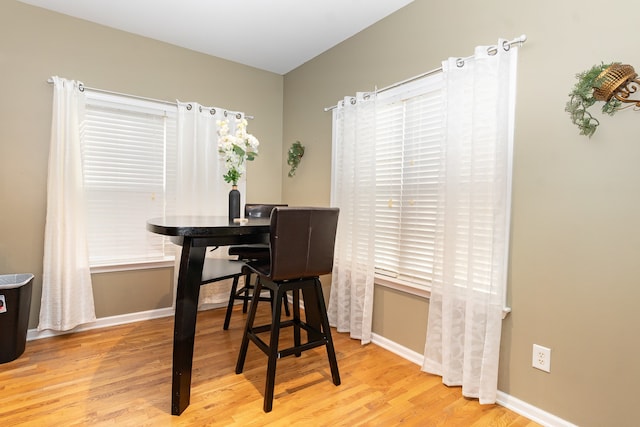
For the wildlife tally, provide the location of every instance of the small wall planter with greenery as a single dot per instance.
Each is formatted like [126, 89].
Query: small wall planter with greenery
[611, 84]
[294, 155]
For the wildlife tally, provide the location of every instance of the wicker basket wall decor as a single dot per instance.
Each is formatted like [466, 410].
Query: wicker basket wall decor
[612, 84]
[612, 79]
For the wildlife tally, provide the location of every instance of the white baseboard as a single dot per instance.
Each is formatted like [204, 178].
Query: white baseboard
[503, 399]
[396, 348]
[34, 334]
[533, 413]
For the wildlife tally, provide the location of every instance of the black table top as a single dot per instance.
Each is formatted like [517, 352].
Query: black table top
[205, 226]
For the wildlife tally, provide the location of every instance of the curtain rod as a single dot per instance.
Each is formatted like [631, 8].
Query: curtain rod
[110, 92]
[491, 50]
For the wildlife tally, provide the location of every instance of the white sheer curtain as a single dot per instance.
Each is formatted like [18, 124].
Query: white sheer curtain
[67, 294]
[472, 236]
[353, 186]
[200, 187]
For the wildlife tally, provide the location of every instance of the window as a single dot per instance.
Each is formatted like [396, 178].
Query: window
[403, 128]
[409, 127]
[442, 175]
[128, 156]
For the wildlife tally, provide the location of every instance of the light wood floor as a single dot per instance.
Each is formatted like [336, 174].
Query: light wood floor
[121, 376]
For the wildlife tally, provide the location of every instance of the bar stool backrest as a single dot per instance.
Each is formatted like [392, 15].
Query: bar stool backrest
[302, 241]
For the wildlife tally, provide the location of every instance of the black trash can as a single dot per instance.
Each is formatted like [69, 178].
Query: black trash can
[15, 304]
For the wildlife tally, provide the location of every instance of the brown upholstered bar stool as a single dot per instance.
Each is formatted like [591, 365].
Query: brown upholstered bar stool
[301, 249]
[251, 252]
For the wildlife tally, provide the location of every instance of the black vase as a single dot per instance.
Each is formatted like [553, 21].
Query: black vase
[234, 203]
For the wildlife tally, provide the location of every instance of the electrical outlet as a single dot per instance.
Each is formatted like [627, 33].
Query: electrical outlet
[541, 358]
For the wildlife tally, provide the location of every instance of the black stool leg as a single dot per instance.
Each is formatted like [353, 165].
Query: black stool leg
[296, 319]
[247, 286]
[232, 297]
[331, 353]
[285, 301]
[242, 355]
[273, 351]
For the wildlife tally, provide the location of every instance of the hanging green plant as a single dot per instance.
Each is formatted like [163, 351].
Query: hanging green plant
[296, 151]
[582, 97]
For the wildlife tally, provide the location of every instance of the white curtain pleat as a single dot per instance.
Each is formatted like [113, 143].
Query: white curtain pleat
[200, 187]
[472, 234]
[67, 294]
[353, 187]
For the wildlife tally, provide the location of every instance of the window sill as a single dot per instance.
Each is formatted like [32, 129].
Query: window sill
[130, 266]
[412, 289]
[403, 286]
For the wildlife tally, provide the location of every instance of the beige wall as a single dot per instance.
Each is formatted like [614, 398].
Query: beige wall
[574, 279]
[573, 282]
[36, 44]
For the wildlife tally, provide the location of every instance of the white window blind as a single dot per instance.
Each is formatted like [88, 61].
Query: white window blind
[128, 161]
[409, 131]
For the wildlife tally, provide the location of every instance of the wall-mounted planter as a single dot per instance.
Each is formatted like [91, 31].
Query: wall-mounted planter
[612, 84]
[294, 155]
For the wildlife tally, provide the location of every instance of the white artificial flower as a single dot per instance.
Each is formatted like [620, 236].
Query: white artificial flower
[236, 149]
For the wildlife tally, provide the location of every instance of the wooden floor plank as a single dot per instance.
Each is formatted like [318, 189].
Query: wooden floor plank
[121, 376]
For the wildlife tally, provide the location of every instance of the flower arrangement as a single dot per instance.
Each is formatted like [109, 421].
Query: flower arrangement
[236, 148]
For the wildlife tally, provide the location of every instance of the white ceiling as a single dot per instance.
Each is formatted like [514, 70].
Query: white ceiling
[273, 35]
